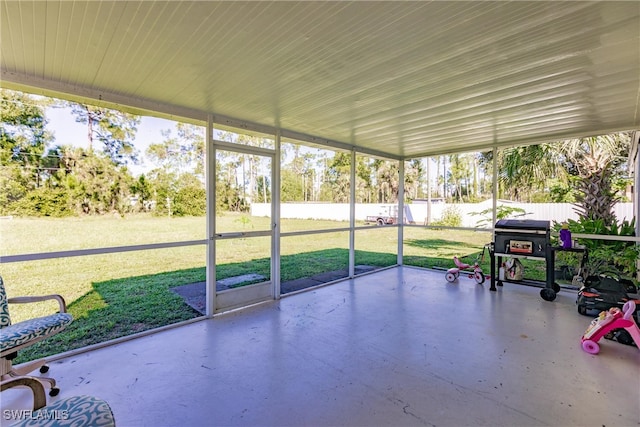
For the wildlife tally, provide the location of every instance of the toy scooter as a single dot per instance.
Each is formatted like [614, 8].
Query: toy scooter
[473, 271]
[606, 322]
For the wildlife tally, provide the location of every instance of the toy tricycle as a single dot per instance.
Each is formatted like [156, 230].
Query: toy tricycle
[606, 322]
[473, 271]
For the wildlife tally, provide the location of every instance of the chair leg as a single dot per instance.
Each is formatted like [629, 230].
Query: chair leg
[51, 382]
[39, 399]
[5, 366]
[23, 370]
[26, 368]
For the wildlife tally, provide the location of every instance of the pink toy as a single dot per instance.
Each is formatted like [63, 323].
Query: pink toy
[474, 271]
[606, 322]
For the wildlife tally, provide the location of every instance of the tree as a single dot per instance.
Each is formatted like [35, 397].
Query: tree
[290, 186]
[413, 179]
[588, 168]
[164, 189]
[298, 175]
[193, 138]
[460, 172]
[178, 182]
[114, 129]
[364, 181]
[65, 180]
[190, 198]
[387, 180]
[143, 189]
[94, 183]
[23, 134]
[335, 187]
[229, 194]
[523, 170]
[263, 195]
[177, 194]
[184, 152]
[595, 164]
[23, 140]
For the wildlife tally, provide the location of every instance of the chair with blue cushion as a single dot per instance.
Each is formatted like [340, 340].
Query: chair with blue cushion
[14, 337]
[75, 411]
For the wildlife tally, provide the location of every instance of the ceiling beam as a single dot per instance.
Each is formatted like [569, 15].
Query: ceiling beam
[142, 107]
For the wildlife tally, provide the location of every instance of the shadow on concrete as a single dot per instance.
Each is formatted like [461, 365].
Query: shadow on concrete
[194, 294]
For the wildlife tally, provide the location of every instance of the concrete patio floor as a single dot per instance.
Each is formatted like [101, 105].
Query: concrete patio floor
[400, 347]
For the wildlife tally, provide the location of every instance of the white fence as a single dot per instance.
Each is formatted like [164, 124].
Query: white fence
[417, 212]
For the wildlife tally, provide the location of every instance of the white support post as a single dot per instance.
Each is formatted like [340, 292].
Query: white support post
[428, 218]
[210, 185]
[275, 219]
[495, 186]
[352, 215]
[400, 211]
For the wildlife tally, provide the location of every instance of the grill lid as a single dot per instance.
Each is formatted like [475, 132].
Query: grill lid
[523, 224]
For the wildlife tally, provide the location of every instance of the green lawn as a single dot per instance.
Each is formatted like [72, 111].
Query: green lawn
[115, 295]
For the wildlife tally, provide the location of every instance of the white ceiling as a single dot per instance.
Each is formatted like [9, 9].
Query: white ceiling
[406, 79]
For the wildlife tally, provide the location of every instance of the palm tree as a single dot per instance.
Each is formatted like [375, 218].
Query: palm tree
[523, 170]
[595, 163]
[590, 165]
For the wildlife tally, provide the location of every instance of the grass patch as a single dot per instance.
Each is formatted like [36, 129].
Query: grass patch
[117, 308]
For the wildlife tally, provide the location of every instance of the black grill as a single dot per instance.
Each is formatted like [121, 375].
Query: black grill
[524, 238]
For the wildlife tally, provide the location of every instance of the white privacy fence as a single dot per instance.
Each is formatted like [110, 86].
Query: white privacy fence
[417, 212]
[540, 211]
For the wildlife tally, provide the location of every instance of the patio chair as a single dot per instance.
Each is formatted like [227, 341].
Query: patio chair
[76, 411]
[14, 337]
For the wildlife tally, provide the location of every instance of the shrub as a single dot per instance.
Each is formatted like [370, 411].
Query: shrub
[502, 212]
[605, 254]
[451, 217]
[43, 202]
[190, 201]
